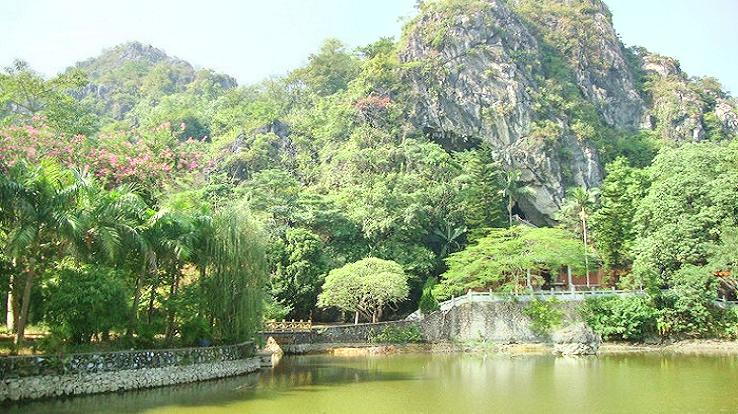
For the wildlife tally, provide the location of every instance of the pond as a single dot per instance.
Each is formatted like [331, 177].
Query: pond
[435, 383]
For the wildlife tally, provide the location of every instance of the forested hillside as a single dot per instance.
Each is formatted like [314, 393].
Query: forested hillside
[480, 115]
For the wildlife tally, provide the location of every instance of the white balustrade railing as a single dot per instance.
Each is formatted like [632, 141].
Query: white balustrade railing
[563, 295]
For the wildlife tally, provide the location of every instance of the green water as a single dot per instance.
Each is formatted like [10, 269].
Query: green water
[443, 384]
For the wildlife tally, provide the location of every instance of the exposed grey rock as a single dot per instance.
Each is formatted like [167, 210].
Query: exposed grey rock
[115, 88]
[576, 339]
[478, 72]
[475, 86]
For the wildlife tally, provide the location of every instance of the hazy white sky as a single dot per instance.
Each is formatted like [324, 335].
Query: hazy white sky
[252, 39]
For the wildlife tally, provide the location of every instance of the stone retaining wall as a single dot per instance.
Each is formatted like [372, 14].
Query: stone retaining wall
[50, 376]
[341, 334]
[501, 322]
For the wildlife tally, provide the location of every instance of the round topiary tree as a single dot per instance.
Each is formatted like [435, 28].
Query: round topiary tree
[365, 287]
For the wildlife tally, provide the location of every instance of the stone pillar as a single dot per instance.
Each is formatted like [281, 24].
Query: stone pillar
[568, 275]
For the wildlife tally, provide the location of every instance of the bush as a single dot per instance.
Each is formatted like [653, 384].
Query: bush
[82, 301]
[195, 331]
[688, 309]
[428, 302]
[544, 315]
[730, 324]
[398, 335]
[629, 318]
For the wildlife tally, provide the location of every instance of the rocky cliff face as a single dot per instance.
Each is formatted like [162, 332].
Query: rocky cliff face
[539, 81]
[684, 109]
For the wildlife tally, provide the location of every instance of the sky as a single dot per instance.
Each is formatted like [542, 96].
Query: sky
[254, 39]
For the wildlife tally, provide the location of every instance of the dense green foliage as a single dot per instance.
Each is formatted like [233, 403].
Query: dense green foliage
[219, 204]
[690, 198]
[428, 303]
[502, 258]
[613, 222]
[397, 335]
[365, 287]
[625, 318]
[85, 301]
[545, 315]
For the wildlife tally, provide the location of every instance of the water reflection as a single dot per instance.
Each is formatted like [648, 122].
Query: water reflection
[442, 384]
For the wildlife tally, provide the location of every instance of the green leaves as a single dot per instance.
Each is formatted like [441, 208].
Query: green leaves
[501, 259]
[366, 287]
[691, 197]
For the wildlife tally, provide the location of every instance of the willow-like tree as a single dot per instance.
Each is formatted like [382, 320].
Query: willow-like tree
[236, 275]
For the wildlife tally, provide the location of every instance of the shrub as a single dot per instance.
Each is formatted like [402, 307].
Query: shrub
[688, 309]
[82, 301]
[398, 335]
[428, 302]
[617, 317]
[544, 315]
[195, 330]
[730, 324]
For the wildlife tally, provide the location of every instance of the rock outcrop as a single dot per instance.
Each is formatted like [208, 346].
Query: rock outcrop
[545, 83]
[576, 339]
[118, 77]
[478, 74]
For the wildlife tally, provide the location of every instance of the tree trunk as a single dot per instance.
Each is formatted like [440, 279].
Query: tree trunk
[133, 318]
[152, 296]
[356, 318]
[509, 209]
[584, 236]
[23, 317]
[9, 314]
[172, 312]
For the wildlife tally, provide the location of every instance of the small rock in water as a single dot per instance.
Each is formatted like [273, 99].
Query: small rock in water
[577, 339]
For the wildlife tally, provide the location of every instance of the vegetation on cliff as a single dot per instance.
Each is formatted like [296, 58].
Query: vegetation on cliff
[207, 201]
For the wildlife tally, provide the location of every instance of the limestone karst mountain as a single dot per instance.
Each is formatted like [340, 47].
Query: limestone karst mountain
[547, 84]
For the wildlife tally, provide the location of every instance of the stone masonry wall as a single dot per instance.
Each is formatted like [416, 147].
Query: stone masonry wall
[502, 322]
[40, 376]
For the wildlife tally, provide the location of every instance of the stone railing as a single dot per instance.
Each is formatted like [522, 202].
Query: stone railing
[289, 326]
[562, 295]
[92, 363]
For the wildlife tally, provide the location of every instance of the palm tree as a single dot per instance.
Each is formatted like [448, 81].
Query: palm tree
[38, 212]
[578, 206]
[513, 190]
[115, 224]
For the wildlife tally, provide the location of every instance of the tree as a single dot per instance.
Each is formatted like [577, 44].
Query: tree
[480, 194]
[299, 271]
[613, 223]
[513, 191]
[37, 212]
[365, 287]
[502, 259]
[330, 70]
[691, 197]
[24, 95]
[578, 206]
[428, 302]
[236, 274]
[85, 301]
